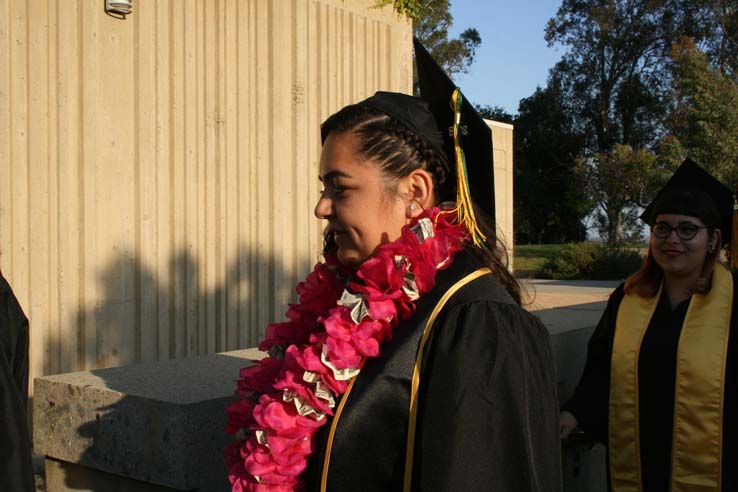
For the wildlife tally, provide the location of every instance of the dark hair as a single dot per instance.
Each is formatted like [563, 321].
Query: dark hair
[398, 151]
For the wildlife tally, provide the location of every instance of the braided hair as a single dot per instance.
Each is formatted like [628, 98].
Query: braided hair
[398, 151]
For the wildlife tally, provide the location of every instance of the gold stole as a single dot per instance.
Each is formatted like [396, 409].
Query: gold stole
[698, 407]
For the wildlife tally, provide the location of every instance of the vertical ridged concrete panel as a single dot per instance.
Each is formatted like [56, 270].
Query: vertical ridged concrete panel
[502, 145]
[158, 172]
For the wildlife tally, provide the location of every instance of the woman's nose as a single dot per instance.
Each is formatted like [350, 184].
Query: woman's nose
[672, 237]
[324, 207]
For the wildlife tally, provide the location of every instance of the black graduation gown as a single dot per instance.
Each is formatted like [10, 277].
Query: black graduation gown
[487, 416]
[656, 382]
[16, 469]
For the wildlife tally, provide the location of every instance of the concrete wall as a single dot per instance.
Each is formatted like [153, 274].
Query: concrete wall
[502, 143]
[158, 172]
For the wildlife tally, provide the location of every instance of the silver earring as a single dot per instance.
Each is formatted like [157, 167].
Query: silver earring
[710, 249]
[413, 207]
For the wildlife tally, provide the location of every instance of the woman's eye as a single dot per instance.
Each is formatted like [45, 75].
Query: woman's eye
[335, 189]
[332, 190]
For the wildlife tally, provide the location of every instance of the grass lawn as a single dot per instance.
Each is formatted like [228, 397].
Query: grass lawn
[529, 258]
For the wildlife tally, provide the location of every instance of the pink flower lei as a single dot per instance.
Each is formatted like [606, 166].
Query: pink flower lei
[285, 398]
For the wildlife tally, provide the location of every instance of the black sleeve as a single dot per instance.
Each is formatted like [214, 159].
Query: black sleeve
[488, 417]
[19, 322]
[590, 401]
[16, 470]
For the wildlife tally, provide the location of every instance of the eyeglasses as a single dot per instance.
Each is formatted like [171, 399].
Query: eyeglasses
[685, 230]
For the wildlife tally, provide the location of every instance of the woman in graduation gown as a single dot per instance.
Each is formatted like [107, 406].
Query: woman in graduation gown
[660, 385]
[409, 364]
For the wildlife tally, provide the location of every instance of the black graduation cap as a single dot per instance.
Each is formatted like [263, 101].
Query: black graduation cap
[706, 198]
[475, 136]
[707, 194]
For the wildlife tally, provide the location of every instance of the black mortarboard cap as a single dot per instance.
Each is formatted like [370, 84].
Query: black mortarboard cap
[437, 88]
[693, 191]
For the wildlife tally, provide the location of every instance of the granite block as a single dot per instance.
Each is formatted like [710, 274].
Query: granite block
[159, 423]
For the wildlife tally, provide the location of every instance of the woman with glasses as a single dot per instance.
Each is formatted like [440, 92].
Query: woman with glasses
[660, 385]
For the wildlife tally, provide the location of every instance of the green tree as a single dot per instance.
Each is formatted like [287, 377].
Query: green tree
[704, 119]
[614, 74]
[409, 8]
[620, 181]
[495, 113]
[715, 32]
[549, 200]
[431, 26]
[612, 68]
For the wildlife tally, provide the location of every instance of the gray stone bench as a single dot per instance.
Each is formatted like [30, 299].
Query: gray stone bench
[145, 427]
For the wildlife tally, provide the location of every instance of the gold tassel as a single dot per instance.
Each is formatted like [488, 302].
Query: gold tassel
[464, 209]
[734, 238]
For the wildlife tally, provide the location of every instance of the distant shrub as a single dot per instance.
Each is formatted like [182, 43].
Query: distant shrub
[586, 261]
[572, 262]
[615, 263]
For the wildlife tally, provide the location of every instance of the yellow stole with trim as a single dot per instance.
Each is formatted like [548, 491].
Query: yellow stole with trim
[700, 377]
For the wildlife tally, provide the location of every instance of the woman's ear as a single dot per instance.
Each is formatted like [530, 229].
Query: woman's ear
[417, 189]
[714, 243]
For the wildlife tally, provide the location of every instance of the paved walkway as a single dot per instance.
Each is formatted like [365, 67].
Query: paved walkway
[567, 304]
[570, 310]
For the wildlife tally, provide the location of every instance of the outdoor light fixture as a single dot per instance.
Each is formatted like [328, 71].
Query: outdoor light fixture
[120, 7]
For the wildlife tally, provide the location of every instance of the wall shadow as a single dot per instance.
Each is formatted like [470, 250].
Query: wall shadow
[143, 315]
[165, 318]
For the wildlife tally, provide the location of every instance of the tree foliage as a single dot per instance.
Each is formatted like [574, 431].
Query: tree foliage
[611, 75]
[619, 89]
[495, 113]
[620, 181]
[714, 29]
[409, 8]
[704, 120]
[549, 205]
[431, 27]
[613, 67]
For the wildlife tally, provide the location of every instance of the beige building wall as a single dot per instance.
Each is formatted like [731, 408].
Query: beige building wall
[158, 172]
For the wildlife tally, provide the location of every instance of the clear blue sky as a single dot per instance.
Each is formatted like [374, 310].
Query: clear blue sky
[513, 58]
